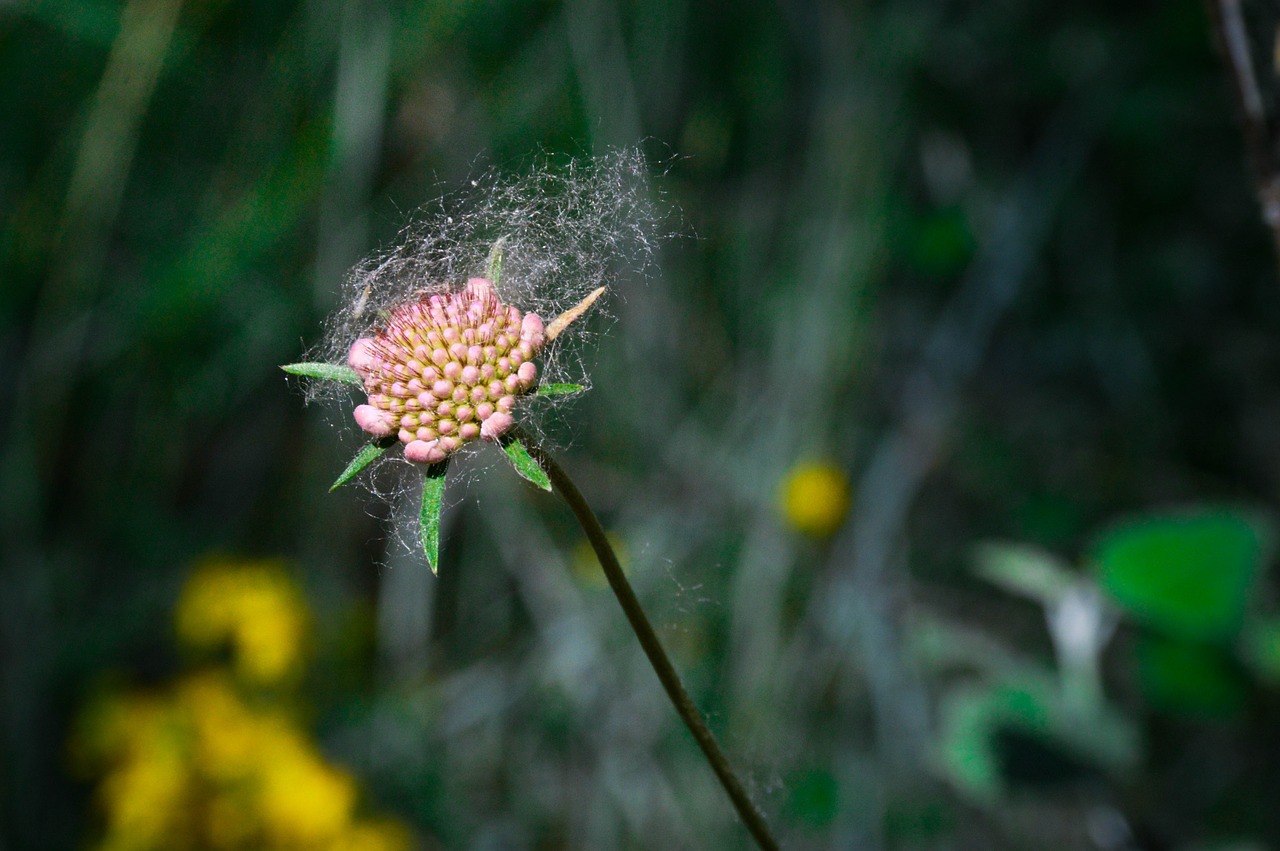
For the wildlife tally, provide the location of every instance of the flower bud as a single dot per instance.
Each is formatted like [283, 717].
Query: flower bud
[494, 426]
[372, 420]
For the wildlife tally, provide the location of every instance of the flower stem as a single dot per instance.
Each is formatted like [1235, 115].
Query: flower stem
[653, 647]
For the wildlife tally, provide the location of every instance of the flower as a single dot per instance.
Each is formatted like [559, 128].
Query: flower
[441, 364]
[814, 498]
[205, 762]
[446, 369]
[255, 607]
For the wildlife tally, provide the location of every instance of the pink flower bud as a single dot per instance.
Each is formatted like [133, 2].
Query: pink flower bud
[532, 330]
[479, 288]
[424, 451]
[361, 356]
[494, 427]
[372, 420]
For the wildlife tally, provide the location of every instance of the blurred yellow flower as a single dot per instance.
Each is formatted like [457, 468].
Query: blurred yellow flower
[144, 798]
[814, 498]
[202, 764]
[375, 836]
[304, 801]
[226, 734]
[255, 607]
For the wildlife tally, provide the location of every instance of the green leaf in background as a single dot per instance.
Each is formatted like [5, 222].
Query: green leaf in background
[1189, 679]
[1189, 575]
[559, 389]
[814, 798]
[432, 502]
[979, 720]
[363, 459]
[325, 372]
[528, 468]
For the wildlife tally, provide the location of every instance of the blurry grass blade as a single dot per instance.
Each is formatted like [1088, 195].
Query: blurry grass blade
[325, 372]
[363, 459]
[559, 389]
[493, 268]
[432, 502]
[1025, 570]
[524, 463]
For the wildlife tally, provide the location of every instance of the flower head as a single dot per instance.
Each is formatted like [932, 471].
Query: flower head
[441, 365]
[446, 369]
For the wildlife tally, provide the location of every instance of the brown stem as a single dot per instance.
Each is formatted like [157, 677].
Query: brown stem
[652, 647]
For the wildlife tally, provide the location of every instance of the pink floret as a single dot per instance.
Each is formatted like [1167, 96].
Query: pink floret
[372, 420]
[497, 423]
[361, 357]
[424, 452]
[532, 330]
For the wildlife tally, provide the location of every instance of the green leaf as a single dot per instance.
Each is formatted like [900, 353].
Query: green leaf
[1188, 575]
[432, 502]
[493, 267]
[520, 458]
[363, 459]
[325, 372]
[1188, 679]
[559, 389]
[814, 798]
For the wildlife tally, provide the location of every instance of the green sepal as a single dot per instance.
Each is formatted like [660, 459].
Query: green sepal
[528, 468]
[559, 389]
[325, 372]
[432, 502]
[493, 266]
[366, 456]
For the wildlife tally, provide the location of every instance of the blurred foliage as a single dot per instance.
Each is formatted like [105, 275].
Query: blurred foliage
[1000, 263]
[1190, 576]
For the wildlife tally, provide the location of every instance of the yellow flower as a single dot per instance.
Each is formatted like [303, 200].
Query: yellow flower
[143, 801]
[225, 732]
[374, 836]
[814, 498]
[209, 764]
[304, 801]
[147, 783]
[255, 607]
